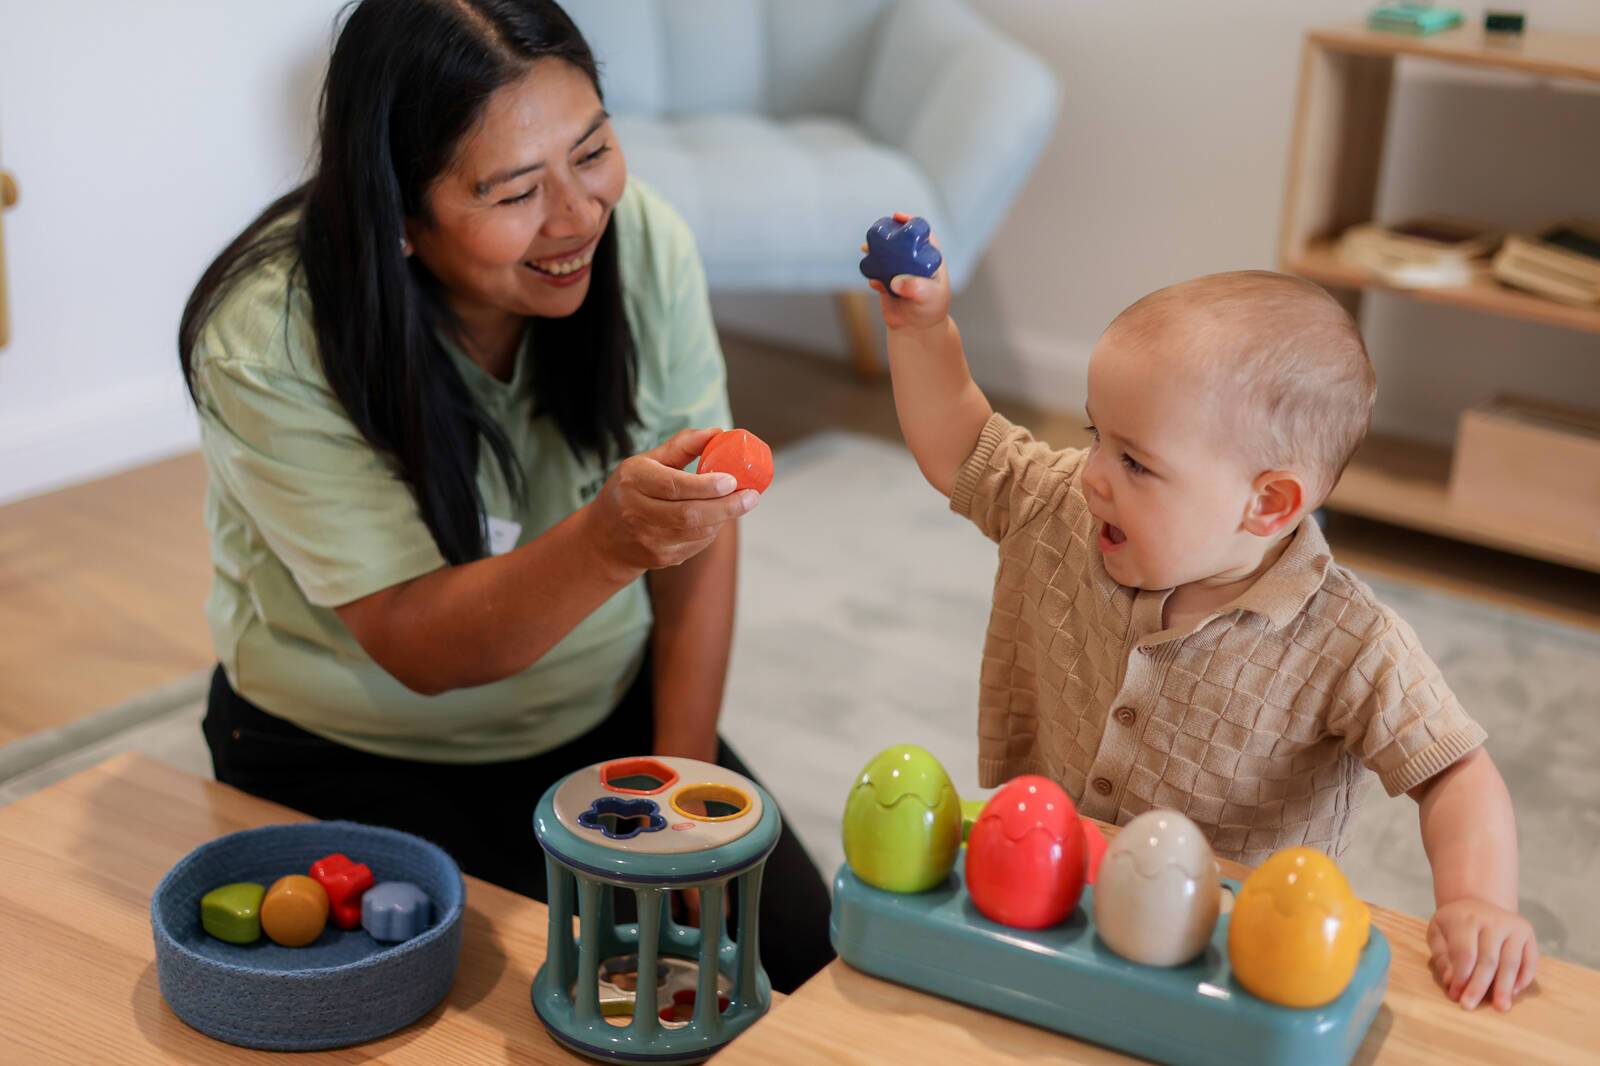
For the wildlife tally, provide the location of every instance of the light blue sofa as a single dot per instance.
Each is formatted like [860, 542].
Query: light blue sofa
[782, 128]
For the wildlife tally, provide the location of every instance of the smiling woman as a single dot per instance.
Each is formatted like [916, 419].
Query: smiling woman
[443, 576]
[515, 225]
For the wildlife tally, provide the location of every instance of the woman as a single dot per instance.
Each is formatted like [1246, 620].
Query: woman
[442, 579]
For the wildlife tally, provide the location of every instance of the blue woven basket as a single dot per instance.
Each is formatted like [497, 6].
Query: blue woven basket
[342, 989]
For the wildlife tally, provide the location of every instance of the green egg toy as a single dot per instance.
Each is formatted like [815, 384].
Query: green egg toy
[902, 822]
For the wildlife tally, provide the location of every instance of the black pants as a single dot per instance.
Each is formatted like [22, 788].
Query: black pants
[482, 814]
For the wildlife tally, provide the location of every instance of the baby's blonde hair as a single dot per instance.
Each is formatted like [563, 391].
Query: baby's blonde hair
[1284, 347]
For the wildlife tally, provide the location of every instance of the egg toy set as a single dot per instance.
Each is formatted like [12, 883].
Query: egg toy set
[297, 908]
[1139, 945]
[274, 938]
[652, 991]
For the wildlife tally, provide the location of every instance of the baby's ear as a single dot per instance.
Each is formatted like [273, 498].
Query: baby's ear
[1278, 501]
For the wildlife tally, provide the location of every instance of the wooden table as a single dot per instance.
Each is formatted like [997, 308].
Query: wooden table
[78, 862]
[845, 1016]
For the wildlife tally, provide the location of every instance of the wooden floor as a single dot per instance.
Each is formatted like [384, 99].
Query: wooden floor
[102, 586]
[102, 591]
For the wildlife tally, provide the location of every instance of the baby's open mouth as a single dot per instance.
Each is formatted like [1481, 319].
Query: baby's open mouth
[1111, 536]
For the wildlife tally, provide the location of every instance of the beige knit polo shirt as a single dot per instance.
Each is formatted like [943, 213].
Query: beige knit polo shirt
[1259, 723]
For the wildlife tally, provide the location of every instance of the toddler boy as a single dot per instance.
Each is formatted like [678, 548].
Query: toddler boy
[1169, 628]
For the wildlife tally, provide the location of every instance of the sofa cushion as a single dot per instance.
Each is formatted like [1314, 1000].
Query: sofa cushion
[822, 64]
[626, 37]
[716, 55]
[780, 57]
[776, 203]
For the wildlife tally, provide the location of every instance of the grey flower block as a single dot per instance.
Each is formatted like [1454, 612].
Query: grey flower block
[395, 910]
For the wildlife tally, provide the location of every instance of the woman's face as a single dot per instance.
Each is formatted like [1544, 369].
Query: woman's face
[517, 218]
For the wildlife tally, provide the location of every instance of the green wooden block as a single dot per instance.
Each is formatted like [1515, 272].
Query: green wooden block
[233, 912]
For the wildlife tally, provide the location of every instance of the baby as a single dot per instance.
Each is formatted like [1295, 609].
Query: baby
[1169, 628]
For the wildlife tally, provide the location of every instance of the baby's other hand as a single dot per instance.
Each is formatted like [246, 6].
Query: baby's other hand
[917, 303]
[1476, 945]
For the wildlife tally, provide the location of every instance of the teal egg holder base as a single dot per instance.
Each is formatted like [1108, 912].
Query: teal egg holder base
[1065, 978]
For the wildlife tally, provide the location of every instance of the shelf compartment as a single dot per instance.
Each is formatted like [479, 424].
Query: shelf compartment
[1407, 483]
[1319, 261]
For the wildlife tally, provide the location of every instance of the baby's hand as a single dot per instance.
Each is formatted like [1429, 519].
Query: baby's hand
[917, 303]
[1474, 945]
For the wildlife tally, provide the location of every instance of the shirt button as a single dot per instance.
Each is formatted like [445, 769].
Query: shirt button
[1102, 786]
[1147, 649]
[1126, 716]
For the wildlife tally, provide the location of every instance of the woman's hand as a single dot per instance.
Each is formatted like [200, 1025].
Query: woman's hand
[651, 514]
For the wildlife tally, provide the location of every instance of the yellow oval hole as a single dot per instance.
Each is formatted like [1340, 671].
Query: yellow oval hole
[710, 802]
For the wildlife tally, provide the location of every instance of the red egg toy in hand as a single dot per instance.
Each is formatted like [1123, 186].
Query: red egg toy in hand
[740, 453]
[1029, 854]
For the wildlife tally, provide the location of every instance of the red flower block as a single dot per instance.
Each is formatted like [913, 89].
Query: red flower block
[346, 882]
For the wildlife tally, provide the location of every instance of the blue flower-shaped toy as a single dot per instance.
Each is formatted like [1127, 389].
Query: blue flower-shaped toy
[622, 819]
[896, 247]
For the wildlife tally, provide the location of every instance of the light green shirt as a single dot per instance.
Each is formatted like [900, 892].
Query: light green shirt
[305, 515]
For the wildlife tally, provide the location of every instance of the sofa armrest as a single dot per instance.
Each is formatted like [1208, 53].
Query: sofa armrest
[970, 106]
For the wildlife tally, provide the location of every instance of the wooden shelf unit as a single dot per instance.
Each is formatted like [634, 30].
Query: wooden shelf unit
[1407, 483]
[1320, 262]
[1346, 81]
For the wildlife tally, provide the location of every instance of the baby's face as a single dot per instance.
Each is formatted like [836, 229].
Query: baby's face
[1168, 493]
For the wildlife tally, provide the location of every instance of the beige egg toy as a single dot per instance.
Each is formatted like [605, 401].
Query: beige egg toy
[1158, 892]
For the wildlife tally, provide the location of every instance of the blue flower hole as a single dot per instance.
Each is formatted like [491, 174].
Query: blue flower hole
[622, 819]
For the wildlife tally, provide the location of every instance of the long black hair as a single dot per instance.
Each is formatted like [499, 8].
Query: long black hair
[408, 79]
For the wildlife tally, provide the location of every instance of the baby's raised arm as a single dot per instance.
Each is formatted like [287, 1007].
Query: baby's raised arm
[941, 409]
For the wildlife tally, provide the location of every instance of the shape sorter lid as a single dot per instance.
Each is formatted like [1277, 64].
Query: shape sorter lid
[659, 805]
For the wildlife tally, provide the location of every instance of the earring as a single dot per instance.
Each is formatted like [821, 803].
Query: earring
[405, 246]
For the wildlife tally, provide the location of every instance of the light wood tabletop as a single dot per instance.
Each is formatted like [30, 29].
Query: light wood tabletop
[78, 862]
[844, 1016]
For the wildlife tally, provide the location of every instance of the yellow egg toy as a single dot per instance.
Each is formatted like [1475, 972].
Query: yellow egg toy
[1297, 930]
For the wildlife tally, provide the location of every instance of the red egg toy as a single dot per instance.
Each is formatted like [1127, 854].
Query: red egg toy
[740, 453]
[1029, 854]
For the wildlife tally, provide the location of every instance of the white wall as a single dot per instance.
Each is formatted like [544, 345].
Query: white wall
[143, 136]
[1170, 161]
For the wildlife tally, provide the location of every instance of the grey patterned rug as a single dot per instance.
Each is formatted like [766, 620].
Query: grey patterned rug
[862, 607]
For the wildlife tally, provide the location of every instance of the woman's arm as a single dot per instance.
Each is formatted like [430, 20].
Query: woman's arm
[461, 626]
[693, 606]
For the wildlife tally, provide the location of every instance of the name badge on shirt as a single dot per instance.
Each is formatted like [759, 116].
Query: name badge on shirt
[502, 534]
